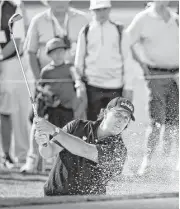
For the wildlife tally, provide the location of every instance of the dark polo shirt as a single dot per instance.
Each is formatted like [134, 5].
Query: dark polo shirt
[74, 175]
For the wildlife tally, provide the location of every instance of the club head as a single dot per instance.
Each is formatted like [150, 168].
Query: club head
[14, 18]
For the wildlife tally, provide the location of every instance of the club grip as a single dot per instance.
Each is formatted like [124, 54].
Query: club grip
[36, 114]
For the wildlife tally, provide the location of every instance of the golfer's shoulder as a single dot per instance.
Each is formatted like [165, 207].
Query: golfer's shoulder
[78, 123]
[78, 126]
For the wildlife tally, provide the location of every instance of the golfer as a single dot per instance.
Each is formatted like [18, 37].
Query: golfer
[89, 154]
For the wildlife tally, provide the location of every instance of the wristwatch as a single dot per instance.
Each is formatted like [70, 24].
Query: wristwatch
[56, 132]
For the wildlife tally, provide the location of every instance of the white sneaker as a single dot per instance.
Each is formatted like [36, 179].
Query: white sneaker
[144, 166]
[30, 166]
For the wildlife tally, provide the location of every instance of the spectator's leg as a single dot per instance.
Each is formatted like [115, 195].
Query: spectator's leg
[153, 139]
[6, 130]
[171, 135]
[94, 102]
[20, 122]
[32, 157]
[32, 154]
[157, 108]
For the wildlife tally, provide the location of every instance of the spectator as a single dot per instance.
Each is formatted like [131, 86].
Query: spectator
[155, 30]
[13, 109]
[99, 62]
[59, 20]
[58, 100]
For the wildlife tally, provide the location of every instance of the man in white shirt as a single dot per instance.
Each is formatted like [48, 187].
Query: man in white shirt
[99, 61]
[154, 32]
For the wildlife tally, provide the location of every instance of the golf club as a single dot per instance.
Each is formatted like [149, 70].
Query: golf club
[14, 18]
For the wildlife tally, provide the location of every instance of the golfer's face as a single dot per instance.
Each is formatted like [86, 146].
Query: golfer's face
[117, 119]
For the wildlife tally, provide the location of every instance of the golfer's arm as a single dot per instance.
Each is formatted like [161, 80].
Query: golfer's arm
[9, 49]
[77, 146]
[50, 150]
[34, 64]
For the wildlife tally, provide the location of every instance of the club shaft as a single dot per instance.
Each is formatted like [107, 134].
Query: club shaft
[25, 78]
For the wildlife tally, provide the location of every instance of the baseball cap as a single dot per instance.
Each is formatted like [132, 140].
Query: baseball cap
[99, 4]
[123, 103]
[55, 43]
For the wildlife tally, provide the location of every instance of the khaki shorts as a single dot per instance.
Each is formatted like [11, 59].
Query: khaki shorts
[164, 101]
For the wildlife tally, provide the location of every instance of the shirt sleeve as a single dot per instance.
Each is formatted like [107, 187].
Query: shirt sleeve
[32, 39]
[70, 127]
[80, 53]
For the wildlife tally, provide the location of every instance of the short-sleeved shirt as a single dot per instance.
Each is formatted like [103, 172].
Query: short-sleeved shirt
[63, 90]
[42, 29]
[74, 175]
[156, 41]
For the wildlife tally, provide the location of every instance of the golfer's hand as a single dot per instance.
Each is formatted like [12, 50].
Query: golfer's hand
[41, 139]
[43, 127]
